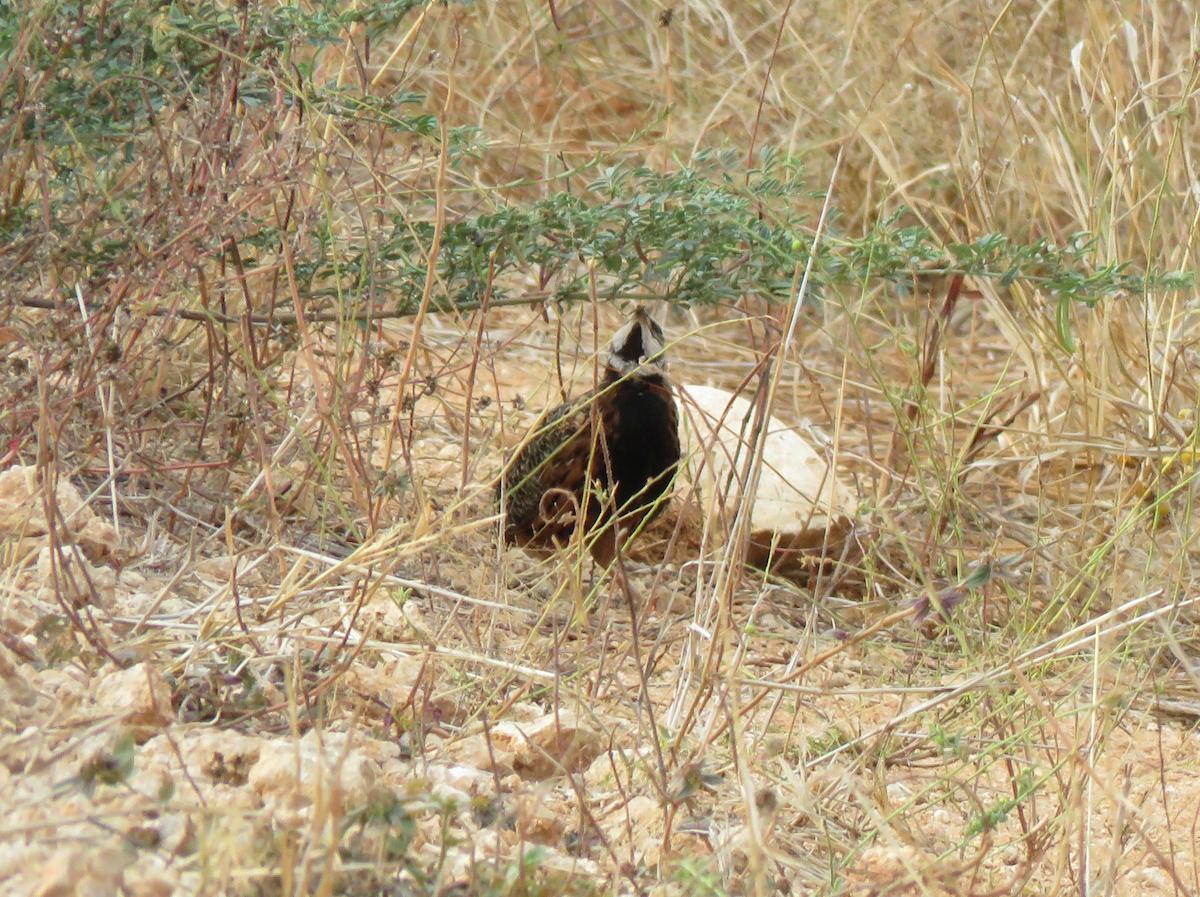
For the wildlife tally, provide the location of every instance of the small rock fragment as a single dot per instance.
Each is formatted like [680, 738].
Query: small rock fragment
[16, 692]
[553, 745]
[75, 873]
[23, 516]
[73, 579]
[139, 696]
[473, 751]
[288, 773]
[60, 875]
[98, 540]
[152, 884]
[539, 823]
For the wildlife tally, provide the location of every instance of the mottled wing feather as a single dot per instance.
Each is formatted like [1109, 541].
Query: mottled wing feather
[554, 459]
[554, 477]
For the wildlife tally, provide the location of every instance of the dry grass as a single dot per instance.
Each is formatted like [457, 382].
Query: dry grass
[304, 500]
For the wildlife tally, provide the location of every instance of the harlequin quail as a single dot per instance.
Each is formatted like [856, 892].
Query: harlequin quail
[605, 458]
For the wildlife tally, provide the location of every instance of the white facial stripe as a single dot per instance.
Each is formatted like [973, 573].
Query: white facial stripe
[650, 360]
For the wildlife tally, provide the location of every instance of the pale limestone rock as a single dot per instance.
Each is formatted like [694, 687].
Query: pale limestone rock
[564, 865]
[17, 694]
[601, 773]
[219, 756]
[288, 773]
[98, 540]
[525, 711]
[23, 516]
[105, 870]
[378, 751]
[393, 682]
[473, 752]
[20, 513]
[177, 829]
[150, 884]
[626, 766]
[471, 780]
[74, 872]
[640, 810]
[643, 818]
[397, 774]
[455, 797]
[554, 744]
[61, 874]
[800, 503]
[539, 823]
[73, 578]
[19, 861]
[139, 696]
[459, 783]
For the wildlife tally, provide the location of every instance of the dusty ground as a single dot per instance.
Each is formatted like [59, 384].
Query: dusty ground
[257, 632]
[427, 708]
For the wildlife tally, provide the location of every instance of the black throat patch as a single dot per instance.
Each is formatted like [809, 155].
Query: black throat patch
[633, 351]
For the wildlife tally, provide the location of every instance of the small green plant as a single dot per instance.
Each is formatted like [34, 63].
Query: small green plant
[698, 876]
[1025, 784]
[109, 768]
[385, 816]
[828, 741]
[699, 236]
[950, 743]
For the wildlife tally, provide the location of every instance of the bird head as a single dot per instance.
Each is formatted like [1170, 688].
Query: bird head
[636, 349]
